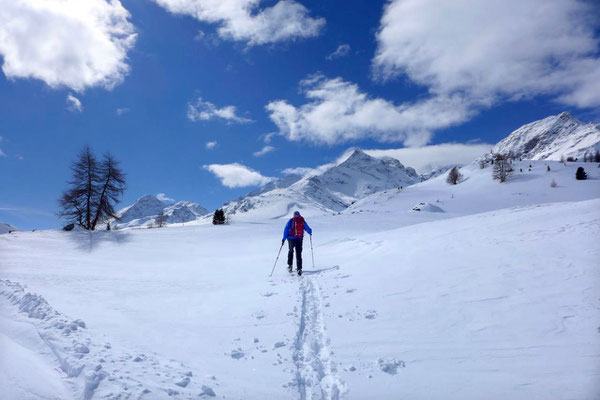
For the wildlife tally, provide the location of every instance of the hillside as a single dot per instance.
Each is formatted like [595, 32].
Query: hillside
[552, 138]
[5, 228]
[327, 189]
[477, 192]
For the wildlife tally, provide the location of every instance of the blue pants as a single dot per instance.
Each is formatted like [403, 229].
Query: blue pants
[295, 244]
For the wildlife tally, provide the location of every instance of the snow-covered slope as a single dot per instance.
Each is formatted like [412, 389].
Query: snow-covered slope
[5, 228]
[477, 192]
[552, 138]
[145, 210]
[497, 305]
[326, 190]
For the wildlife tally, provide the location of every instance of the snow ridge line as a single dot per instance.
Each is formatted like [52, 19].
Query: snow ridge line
[98, 370]
[316, 373]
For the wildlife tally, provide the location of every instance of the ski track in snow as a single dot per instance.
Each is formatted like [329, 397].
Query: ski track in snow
[316, 372]
[97, 370]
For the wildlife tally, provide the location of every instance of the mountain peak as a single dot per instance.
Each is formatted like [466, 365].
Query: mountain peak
[146, 209]
[565, 116]
[357, 154]
[551, 138]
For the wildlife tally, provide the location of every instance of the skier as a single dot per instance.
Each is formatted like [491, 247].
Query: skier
[294, 233]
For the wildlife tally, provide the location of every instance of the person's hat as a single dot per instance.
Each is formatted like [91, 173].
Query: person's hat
[296, 213]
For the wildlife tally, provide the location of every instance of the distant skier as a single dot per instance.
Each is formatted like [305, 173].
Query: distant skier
[294, 233]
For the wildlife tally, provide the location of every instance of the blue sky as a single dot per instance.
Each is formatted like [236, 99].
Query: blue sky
[161, 79]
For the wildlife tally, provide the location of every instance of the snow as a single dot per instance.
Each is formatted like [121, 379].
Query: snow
[327, 189]
[552, 138]
[144, 212]
[5, 228]
[494, 297]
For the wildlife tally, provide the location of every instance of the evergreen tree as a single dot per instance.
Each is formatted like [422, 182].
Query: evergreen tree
[597, 156]
[219, 217]
[580, 175]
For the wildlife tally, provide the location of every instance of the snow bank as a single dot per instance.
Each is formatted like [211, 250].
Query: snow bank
[427, 207]
[95, 369]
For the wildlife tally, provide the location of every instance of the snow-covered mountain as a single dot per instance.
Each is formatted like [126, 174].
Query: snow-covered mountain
[552, 138]
[327, 189]
[438, 171]
[145, 210]
[5, 228]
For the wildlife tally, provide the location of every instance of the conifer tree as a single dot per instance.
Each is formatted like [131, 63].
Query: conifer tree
[93, 191]
[218, 217]
[580, 175]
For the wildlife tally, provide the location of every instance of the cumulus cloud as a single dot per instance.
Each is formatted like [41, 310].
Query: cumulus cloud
[164, 198]
[427, 158]
[246, 21]
[68, 43]
[237, 175]
[73, 103]
[205, 110]
[338, 111]
[211, 145]
[342, 51]
[493, 51]
[263, 151]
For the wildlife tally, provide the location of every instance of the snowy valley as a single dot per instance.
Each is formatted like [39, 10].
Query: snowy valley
[419, 290]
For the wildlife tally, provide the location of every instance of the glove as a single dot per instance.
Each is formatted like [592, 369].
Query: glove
[282, 241]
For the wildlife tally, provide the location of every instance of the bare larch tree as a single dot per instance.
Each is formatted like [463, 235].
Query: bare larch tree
[93, 191]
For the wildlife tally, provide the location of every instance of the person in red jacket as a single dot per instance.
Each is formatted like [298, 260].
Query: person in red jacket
[294, 233]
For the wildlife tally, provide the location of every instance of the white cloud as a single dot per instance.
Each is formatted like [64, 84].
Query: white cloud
[71, 43]
[205, 110]
[339, 112]
[297, 171]
[269, 136]
[1, 152]
[211, 145]
[237, 175]
[493, 51]
[425, 159]
[73, 103]
[263, 151]
[121, 111]
[163, 197]
[246, 21]
[342, 51]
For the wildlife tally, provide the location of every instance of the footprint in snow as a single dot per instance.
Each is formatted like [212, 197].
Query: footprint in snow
[350, 290]
[269, 294]
[371, 314]
[207, 391]
[278, 345]
[237, 353]
[390, 366]
[183, 382]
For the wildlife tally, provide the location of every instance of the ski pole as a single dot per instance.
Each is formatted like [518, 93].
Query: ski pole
[312, 253]
[277, 259]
